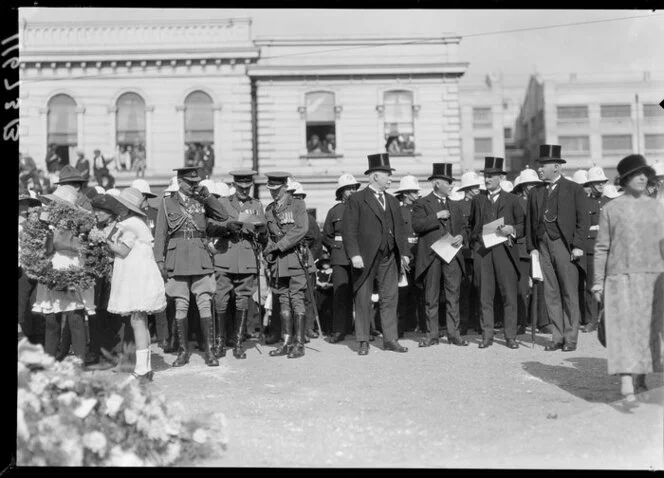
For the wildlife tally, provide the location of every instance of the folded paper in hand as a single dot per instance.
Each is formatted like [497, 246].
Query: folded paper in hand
[249, 218]
[444, 248]
[490, 235]
[536, 268]
[403, 280]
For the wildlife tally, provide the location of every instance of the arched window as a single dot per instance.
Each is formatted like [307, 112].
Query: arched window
[199, 131]
[320, 128]
[399, 128]
[130, 127]
[62, 131]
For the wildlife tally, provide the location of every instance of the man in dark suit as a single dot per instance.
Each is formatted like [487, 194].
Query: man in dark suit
[435, 216]
[557, 229]
[375, 238]
[499, 264]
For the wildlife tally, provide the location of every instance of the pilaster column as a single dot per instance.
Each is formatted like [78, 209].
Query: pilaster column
[80, 125]
[149, 154]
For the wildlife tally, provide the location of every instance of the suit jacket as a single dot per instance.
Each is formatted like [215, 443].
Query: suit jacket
[573, 219]
[506, 206]
[361, 229]
[430, 229]
[332, 238]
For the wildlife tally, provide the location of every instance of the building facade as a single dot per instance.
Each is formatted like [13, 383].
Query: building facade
[167, 92]
[597, 121]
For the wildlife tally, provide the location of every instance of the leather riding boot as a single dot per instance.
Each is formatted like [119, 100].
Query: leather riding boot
[219, 348]
[241, 321]
[183, 350]
[286, 331]
[298, 349]
[207, 331]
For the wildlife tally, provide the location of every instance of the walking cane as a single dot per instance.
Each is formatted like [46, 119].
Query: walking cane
[255, 246]
[533, 315]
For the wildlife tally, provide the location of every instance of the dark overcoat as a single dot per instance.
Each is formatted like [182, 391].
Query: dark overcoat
[332, 238]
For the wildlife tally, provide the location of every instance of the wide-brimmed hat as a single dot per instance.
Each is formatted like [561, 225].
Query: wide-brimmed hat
[493, 165]
[408, 183]
[456, 194]
[441, 171]
[596, 175]
[298, 189]
[580, 176]
[550, 153]
[346, 180]
[506, 186]
[144, 187]
[611, 191]
[633, 163]
[132, 198]
[70, 174]
[379, 162]
[173, 185]
[277, 179]
[62, 195]
[529, 176]
[210, 185]
[108, 203]
[189, 174]
[113, 192]
[243, 177]
[469, 179]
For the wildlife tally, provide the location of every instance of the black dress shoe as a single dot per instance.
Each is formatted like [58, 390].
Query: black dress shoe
[364, 348]
[521, 329]
[428, 342]
[394, 346]
[569, 347]
[546, 329]
[553, 346]
[486, 343]
[457, 341]
[511, 344]
[336, 338]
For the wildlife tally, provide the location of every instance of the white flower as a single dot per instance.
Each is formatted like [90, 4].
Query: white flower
[72, 449]
[113, 404]
[21, 427]
[172, 453]
[95, 441]
[85, 407]
[123, 458]
[130, 416]
[200, 436]
[38, 383]
[25, 399]
[67, 398]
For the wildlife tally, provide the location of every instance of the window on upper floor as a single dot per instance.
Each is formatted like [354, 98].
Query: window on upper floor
[199, 132]
[653, 111]
[483, 146]
[654, 143]
[399, 126]
[615, 111]
[507, 133]
[617, 143]
[320, 123]
[130, 131]
[482, 117]
[572, 113]
[574, 145]
[62, 135]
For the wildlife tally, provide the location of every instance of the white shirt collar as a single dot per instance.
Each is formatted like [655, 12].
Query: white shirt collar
[377, 193]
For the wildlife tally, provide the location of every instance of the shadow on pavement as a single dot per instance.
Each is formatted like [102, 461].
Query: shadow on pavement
[159, 363]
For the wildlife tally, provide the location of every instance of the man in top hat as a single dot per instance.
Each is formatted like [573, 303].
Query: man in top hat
[236, 248]
[435, 216]
[557, 230]
[342, 291]
[410, 310]
[375, 238]
[180, 250]
[71, 177]
[596, 200]
[287, 225]
[499, 264]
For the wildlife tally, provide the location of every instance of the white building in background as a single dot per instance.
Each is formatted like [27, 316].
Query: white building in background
[314, 107]
[597, 120]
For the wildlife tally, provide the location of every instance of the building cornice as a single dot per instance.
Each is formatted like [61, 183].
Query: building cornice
[355, 41]
[266, 71]
[90, 58]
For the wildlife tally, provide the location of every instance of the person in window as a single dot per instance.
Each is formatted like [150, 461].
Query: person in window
[208, 161]
[392, 145]
[314, 145]
[409, 144]
[82, 164]
[124, 159]
[198, 156]
[140, 162]
[53, 162]
[329, 145]
[189, 155]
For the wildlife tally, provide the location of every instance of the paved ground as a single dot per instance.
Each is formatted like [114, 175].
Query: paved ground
[444, 406]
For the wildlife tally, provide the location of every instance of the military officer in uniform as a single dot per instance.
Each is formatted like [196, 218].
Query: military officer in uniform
[181, 252]
[287, 224]
[434, 216]
[237, 244]
[596, 201]
[342, 291]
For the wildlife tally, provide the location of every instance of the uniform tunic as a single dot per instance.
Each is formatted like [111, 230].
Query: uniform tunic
[630, 266]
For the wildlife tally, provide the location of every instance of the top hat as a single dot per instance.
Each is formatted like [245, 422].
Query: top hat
[69, 175]
[108, 203]
[131, 198]
[277, 179]
[346, 180]
[190, 174]
[550, 153]
[442, 171]
[143, 186]
[493, 164]
[379, 162]
[633, 163]
[243, 177]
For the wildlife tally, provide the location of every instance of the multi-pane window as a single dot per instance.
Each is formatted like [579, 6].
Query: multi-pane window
[617, 143]
[507, 133]
[653, 111]
[130, 128]
[574, 144]
[572, 113]
[483, 146]
[482, 117]
[615, 111]
[654, 143]
[199, 130]
[399, 126]
[62, 134]
[321, 126]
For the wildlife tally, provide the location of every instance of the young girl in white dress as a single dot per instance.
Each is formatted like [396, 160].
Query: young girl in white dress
[137, 288]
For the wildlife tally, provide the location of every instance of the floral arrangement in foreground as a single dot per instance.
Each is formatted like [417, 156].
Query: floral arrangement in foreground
[67, 418]
[95, 256]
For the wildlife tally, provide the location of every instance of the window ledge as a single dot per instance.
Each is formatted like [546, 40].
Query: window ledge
[320, 155]
[396, 155]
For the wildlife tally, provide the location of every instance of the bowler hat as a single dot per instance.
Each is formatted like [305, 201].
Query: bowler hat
[277, 179]
[189, 174]
[442, 171]
[550, 153]
[70, 174]
[631, 164]
[132, 198]
[379, 162]
[493, 164]
[108, 203]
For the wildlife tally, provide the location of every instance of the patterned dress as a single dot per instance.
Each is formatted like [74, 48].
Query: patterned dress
[630, 266]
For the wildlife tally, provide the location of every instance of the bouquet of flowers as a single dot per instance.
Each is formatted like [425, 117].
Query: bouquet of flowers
[65, 418]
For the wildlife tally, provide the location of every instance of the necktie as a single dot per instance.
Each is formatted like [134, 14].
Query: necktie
[494, 197]
[550, 188]
[381, 200]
